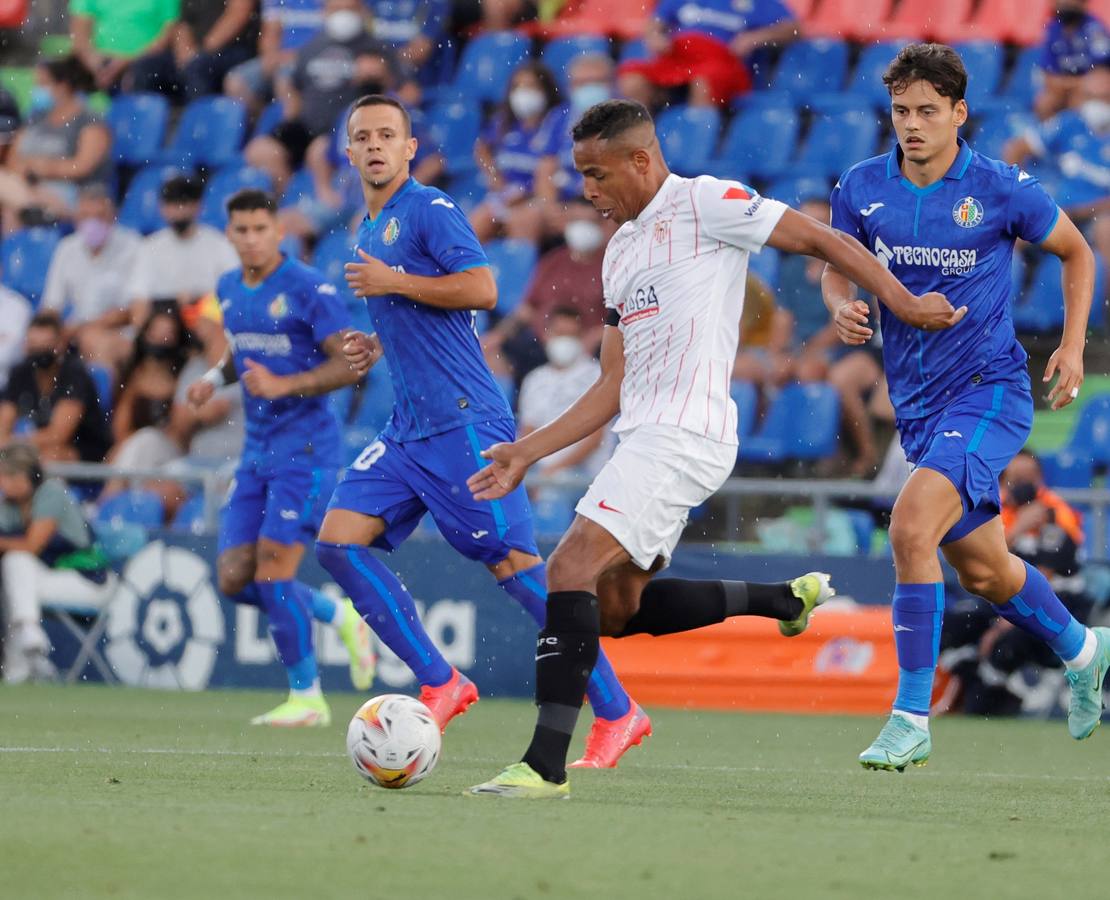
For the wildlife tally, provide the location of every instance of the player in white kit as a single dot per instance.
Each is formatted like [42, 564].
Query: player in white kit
[673, 280]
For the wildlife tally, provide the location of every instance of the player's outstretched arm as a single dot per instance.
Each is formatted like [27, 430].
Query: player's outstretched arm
[335, 372]
[1077, 279]
[470, 289]
[797, 233]
[595, 408]
[849, 313]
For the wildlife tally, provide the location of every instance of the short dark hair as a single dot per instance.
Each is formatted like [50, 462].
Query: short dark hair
[181, 189]
[608, 119]
[251, 199]
[566, 312]
[937, 64]
[70, 71]
[383, 100]
[46, 319]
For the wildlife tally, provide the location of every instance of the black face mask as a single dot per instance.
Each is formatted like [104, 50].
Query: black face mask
[1023, 492]
[157, 351]
[181, 226]
[42, 359]
[1071, 17]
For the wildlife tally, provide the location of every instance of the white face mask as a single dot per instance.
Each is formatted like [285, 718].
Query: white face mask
[527, 102]
[343, 25]
[563, 350]
[583, 236]
[1096, 113]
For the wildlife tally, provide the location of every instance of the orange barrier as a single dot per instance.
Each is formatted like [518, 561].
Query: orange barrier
[843, 663]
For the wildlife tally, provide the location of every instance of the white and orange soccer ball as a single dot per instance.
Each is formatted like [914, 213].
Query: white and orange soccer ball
[393, 741]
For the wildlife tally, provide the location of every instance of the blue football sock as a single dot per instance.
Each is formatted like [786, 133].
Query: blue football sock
[387, 607]
[291, 628]
[918, 611]
[608, 698]
[1038, 611]
[323, 607]
[248, 596]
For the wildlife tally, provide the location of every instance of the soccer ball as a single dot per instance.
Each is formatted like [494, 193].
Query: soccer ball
[393, 741]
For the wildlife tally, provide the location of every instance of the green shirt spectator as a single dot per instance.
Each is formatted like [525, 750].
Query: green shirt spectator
[109, 36]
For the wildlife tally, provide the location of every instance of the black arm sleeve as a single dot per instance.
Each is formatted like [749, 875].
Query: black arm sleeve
[612, 317]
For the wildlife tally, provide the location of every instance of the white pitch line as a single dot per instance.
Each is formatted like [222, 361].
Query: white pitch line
[747, 770]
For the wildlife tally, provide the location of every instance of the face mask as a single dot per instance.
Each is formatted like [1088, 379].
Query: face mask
[94, 232]
[157, 351]
[343, 25]
[583, 236]
[42, 359]
[563, 350]
[1096, 113]
[1023, 492]
[587, 95]
[526, 103]
[181, 226]
[1071, 17]
[42, 100]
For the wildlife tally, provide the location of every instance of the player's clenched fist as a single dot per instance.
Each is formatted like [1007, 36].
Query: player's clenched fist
[362, 350]
[932, 312]
[261, 382]
[371, 277]
[502, 475]
[199, 393]
[851, 322]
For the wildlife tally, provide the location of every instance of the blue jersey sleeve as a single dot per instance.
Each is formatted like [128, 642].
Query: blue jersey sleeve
[325, 313]
[1031, 213]
[447, 236]
[1049, 61]
[845, 217]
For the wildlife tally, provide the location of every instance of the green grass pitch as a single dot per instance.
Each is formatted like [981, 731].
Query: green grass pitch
[122, 793]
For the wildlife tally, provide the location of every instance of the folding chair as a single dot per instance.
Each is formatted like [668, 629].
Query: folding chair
[87, 637]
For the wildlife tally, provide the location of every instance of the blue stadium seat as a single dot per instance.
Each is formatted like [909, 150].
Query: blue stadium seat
[453, 127]
[139, 507]
[24, 259]
[746, 396]
[333, 251]
[1067, 469]
[867, 79]
[560, 52]
[210, 134]
[996, 126]
[139, 209]
[837, 142]
[102, 378]
[1041, 308]
[810, 66]
[802, 424]
[269, 119]
[488, 62]
[765, 265]
[300, 187]
[688, 136]
[138, 124]
[190, 516]
[1025, 78]
[983, 61]
[795, 191]
[511, 262]
[633, 50]
[759, 143]
[225, 183]
[1090, 437]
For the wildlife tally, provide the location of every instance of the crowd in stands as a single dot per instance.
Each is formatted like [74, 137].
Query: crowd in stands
[115, 163]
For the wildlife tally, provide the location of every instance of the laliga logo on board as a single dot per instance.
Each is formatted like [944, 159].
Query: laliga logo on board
[967, 213]
[165, 622]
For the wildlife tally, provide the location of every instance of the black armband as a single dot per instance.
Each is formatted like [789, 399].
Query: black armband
[612, 317]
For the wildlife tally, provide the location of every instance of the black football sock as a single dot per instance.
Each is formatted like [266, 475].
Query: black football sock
[671, 605]
[566, 653]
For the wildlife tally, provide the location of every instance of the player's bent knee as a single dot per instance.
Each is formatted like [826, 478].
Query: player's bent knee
[345, 526]
[235, 570]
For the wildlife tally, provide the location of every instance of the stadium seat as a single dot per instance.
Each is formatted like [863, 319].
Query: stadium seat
[102, 378]
[867, 79]
[487, 64]
[810, 66]
[795, 191]
[139, 209]
[138, 124]
[633, 50]
[225, 183]
[1041, 308]
[1091, 436]
[1025, 79]
[190, 516]
[623, 19]
[802, 424]
[1002, 21]
[688, 136]
[333, 251]
[861, 20]
[746, 397]
[983, 61]
[560, 52]
[837, 142]
[995, 128]
[511, 262]
[925, 21]
[269, 119]
[765, 266]
[137, 506]
[759, 143]
[300, 187]
[24, 259]
[453, 127]
[1067, 469]
[209, 135]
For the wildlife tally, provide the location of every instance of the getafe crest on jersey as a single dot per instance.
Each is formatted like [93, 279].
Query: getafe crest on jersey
[968, 212]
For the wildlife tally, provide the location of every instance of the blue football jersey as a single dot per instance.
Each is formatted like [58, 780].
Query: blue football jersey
[282, 324]
[440, 378]
[955, 236]
[1074, 51]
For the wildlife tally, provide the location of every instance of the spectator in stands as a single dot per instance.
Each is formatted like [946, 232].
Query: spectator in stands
[591, 81]
[1075, 42]
[416, 32]
[126, 42]
[287, 26]
[15, 316]
[49, 556]
[212, 38]
[982, 651]
[183, 261]
[149, 383]
[340, 64]
[705, 46]
[10, 123]
[763, 358]
[87, 279]
[63, 147]
[508, 152]
[568, 276]
[51, 399]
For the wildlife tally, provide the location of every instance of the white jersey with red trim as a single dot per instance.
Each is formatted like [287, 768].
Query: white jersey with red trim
[675, 274]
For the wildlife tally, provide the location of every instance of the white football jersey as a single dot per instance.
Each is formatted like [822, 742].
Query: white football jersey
[675, 275]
